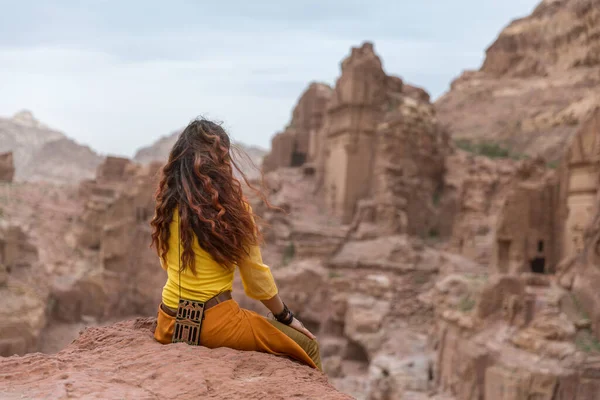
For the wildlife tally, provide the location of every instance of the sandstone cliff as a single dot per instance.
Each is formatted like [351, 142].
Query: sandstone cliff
[124, 361]
[578, 219]
[539, 81]
[508, 337]
[43, 154]
[159, 151]
[117, 207]
[34, 219]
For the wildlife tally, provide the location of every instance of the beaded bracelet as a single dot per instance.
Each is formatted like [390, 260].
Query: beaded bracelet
[286, 316]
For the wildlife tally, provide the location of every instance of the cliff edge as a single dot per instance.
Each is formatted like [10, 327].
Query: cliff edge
[124, 361]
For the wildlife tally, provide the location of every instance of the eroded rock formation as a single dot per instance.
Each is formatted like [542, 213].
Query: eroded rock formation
[299, 141]
[508, 337]
[538, 83]
[374, 145]
[578, 219]
[547, 224]
[23, 312]
[559, 35]
[526, 229]
[579, 181]
[473, 193]
[114, 232]
[381, 141]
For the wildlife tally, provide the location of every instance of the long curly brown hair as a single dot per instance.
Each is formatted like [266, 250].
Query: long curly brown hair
[199, 182]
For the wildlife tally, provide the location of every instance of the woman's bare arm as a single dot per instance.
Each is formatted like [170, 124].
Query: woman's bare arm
[275, 304]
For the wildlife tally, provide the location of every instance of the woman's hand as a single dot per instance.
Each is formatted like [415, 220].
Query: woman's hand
[299, 326]
[276, 306]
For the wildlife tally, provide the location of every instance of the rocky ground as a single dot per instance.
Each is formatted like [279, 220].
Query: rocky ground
[124, 361]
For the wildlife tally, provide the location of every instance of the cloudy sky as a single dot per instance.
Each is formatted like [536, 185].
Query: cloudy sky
[117, 75]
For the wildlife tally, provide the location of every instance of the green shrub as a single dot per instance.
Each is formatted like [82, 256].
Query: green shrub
[466, 303]
[420, 278]
[552, 164]
[487, 149]
[465, 144]
[579, 307]
[493, 150]
[437, 197]
[335, 274]
[587, 342]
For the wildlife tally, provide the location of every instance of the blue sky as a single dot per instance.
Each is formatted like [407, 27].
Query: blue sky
[117, 75]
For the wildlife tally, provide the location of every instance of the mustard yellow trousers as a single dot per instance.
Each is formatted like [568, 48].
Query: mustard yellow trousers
[228, 325]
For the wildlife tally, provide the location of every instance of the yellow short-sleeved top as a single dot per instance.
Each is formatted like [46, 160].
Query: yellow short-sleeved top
[211, 277]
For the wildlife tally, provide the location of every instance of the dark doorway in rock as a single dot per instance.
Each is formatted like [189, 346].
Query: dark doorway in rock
[356, 352]
[2, 251]
[309, 170]
[541, 246]
[298, 159]
[503, 255]
[538, 265]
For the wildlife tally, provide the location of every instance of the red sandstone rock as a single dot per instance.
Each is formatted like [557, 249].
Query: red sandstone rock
[124, 361]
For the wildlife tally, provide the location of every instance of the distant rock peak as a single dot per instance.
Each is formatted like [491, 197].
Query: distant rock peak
[26, 118]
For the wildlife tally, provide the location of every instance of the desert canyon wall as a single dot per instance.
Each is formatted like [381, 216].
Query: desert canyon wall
[431, 262]
[537, 84]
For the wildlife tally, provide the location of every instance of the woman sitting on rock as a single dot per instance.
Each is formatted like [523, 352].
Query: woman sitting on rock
[202, 230]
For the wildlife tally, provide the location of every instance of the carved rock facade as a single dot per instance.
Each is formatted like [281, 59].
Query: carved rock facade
[291, 147]
[114, 232]
[373, 141]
